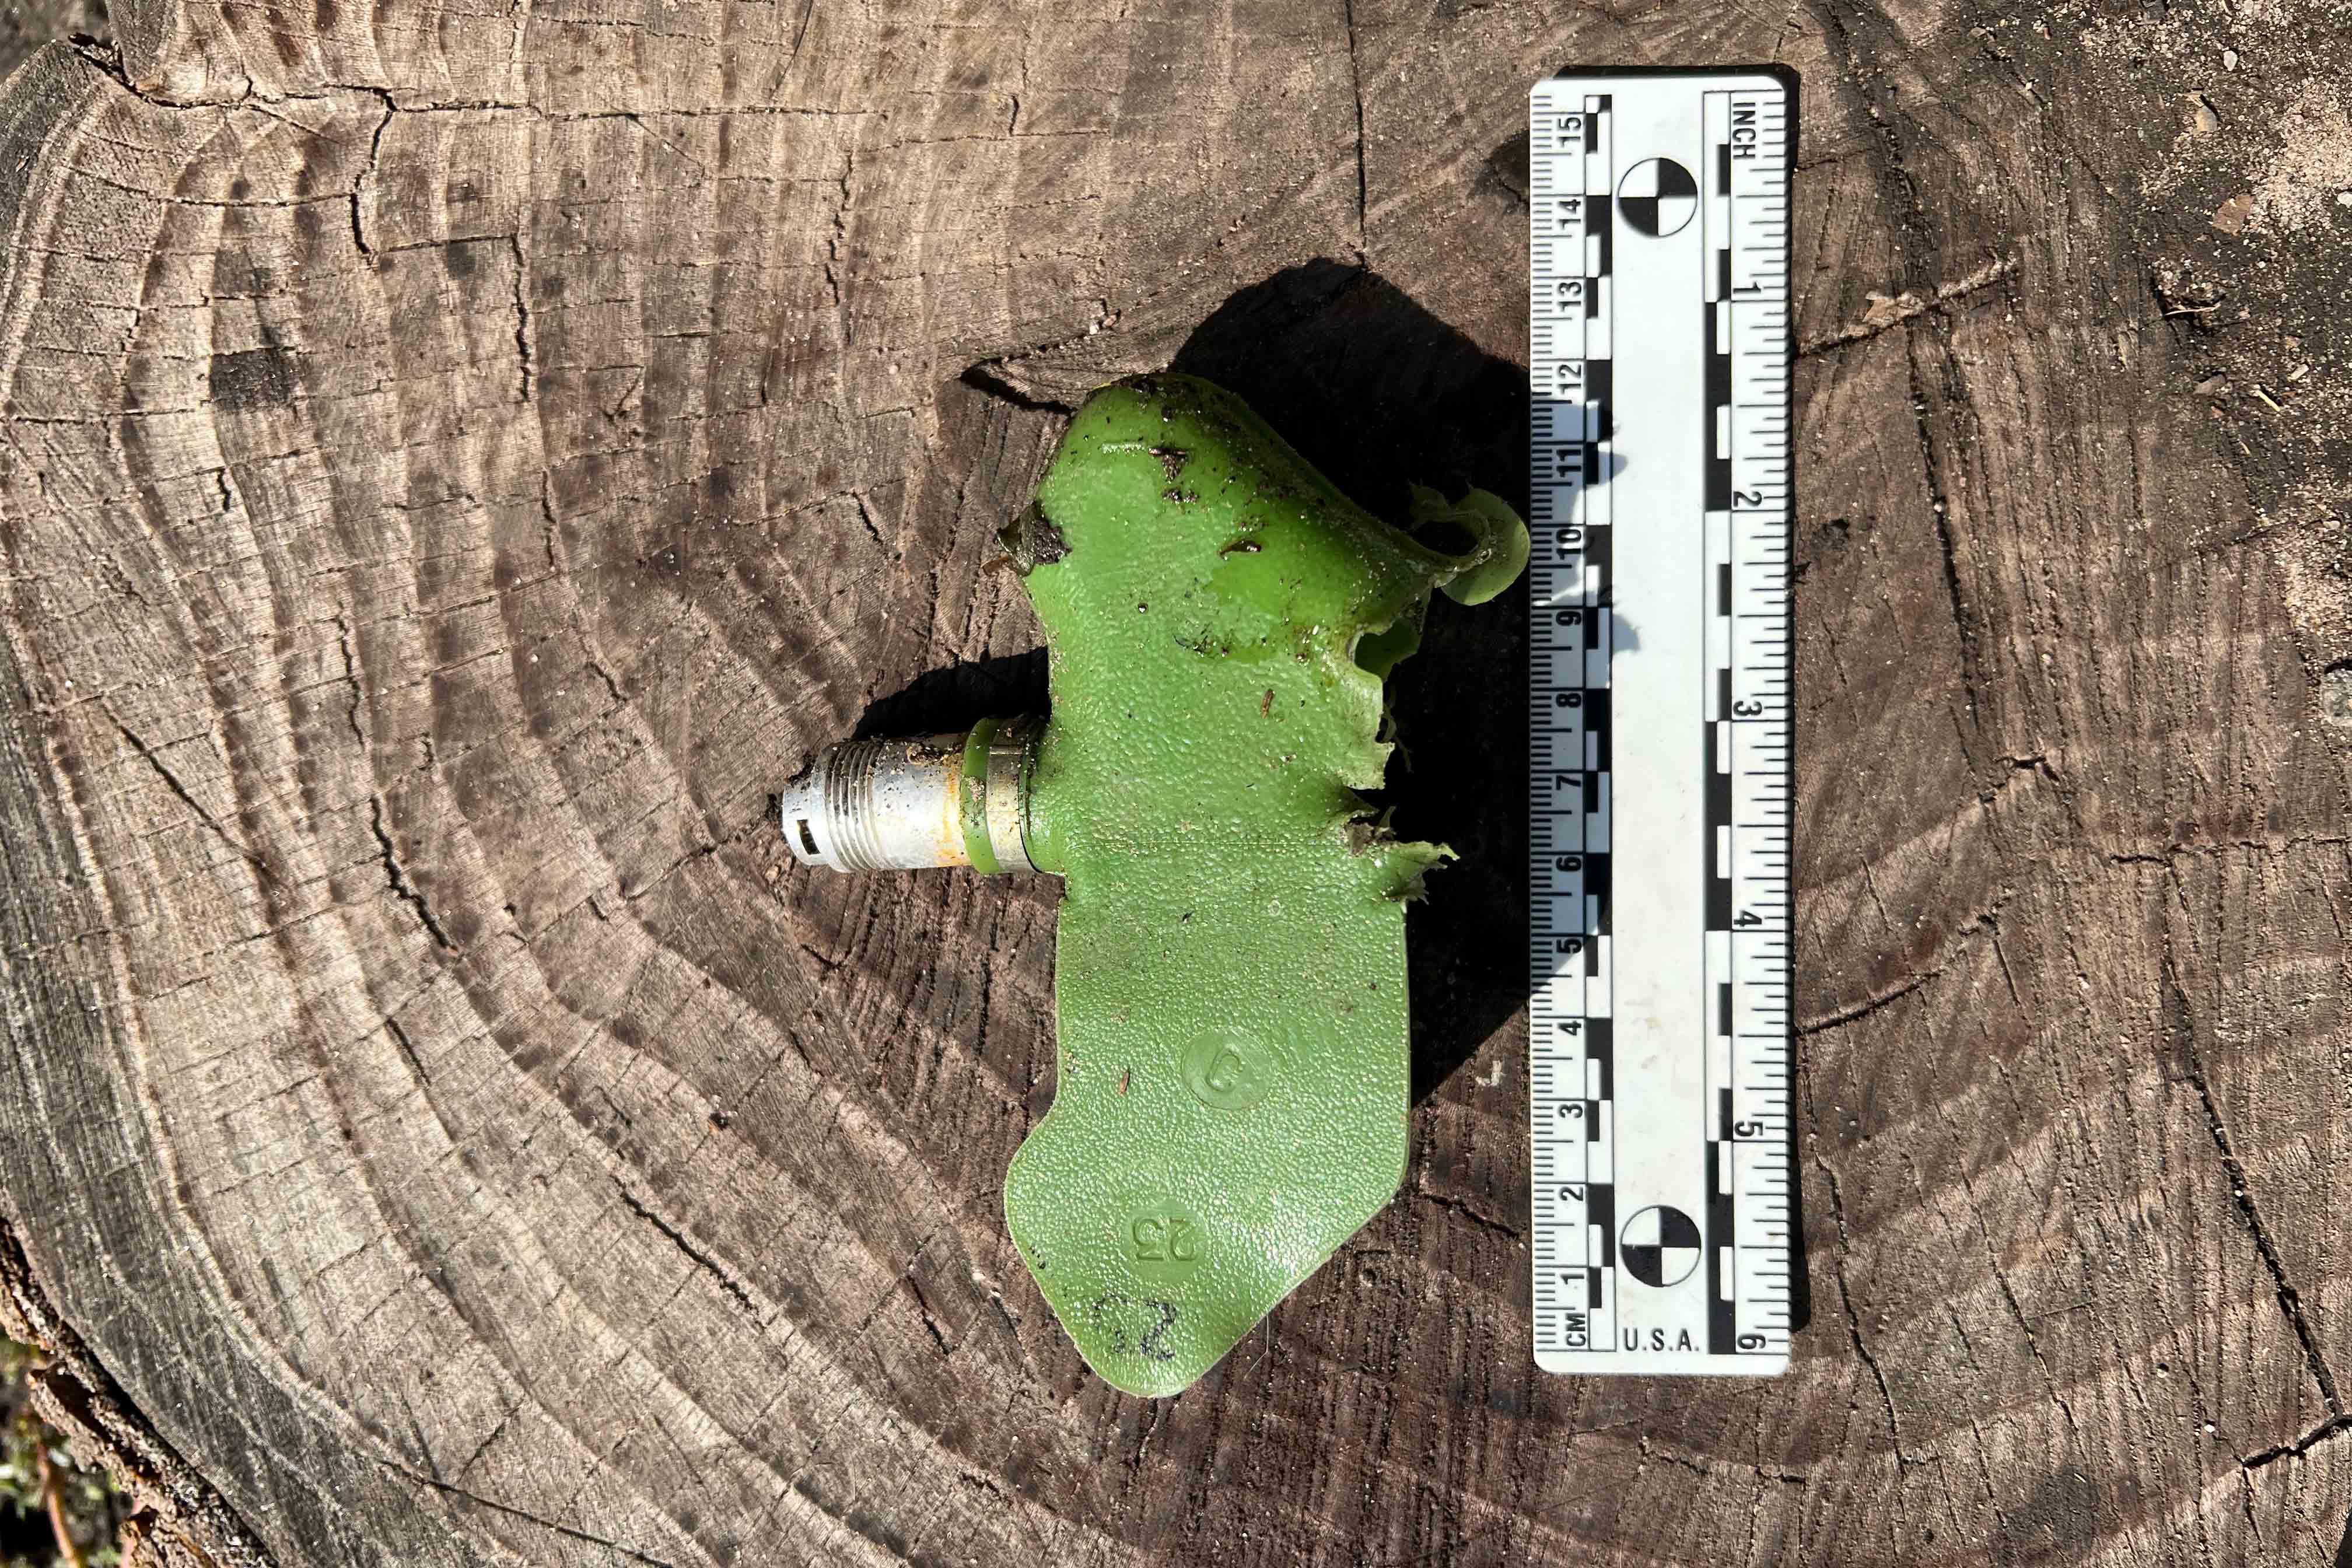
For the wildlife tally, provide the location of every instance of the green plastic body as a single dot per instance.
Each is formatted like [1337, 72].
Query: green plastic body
[1230, 981]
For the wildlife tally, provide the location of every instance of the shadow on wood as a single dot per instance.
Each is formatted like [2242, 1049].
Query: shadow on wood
[954, 697]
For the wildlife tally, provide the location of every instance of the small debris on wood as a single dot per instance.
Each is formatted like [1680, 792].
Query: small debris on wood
[1032, 540]
[2336, 696]
[1885, 309]
[2182, 293]
[1889, 311]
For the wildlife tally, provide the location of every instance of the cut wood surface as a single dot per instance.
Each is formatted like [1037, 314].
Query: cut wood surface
[461, 459]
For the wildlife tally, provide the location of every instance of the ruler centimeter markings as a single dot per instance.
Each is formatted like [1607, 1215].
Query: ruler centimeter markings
[1660, 721]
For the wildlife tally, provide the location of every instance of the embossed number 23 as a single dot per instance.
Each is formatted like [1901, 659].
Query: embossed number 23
[1159, 1240]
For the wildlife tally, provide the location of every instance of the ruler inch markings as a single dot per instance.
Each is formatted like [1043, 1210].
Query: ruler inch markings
[1661, 502]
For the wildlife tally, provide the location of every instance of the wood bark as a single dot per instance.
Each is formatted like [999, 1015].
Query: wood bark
[461, 459]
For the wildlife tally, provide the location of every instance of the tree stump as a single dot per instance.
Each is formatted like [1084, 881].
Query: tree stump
[461, 459]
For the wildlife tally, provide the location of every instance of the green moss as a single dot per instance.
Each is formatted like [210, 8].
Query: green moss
[93, 1505]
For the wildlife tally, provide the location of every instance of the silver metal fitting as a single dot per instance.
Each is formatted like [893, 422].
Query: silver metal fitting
[903, 805]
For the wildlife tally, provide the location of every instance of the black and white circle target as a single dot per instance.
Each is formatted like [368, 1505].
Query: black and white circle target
[1660, 1245]
[1657, 195]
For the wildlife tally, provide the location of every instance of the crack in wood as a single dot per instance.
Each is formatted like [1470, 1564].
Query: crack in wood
[1356, 84]
[1467, 1210]
[396, 876]
[352, 674]
[450, 1489]
[839, 237]
[171, 782]
[1855, 1338]
[701, 1259]
[1873, 1003]
[1886, 314]
[2328, 1430]
[522, 333]
[399, 1034]
[1919, 247]
[2181, 1028]
[375, 156]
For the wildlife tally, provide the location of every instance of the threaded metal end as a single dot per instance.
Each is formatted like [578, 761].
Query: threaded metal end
[904, 804]
[850, 807]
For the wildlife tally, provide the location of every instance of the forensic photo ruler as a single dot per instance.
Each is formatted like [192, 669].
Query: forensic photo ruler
[1660, 722]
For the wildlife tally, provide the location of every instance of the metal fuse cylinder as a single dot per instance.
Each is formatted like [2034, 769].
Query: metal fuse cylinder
[905, 804]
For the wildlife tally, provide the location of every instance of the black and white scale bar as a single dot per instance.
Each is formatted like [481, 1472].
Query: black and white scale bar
[1660, 721]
